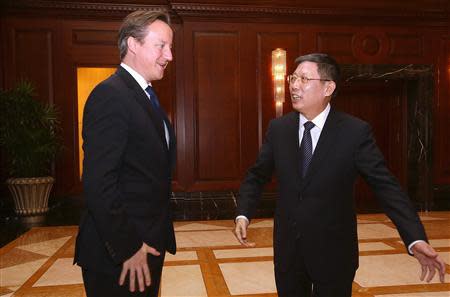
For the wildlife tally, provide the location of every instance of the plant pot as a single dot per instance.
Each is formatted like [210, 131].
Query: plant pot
[31, 197]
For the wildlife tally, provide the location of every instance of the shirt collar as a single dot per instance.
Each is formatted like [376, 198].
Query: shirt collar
[319, 120]
[140, 80]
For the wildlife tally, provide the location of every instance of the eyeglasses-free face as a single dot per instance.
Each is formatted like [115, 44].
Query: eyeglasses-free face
[292, 78]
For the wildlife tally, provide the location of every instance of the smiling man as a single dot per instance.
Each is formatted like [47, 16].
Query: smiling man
[129, 154]
[317, 153]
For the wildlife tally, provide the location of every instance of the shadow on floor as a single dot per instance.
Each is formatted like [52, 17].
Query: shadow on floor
[64, 211]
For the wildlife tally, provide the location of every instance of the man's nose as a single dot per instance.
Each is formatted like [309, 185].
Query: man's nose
[168, 54]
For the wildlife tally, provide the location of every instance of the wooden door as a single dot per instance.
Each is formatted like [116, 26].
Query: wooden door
[383, 105]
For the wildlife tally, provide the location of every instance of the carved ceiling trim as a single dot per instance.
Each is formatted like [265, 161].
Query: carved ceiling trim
[87, 6]
[225, 10]
[192, 9]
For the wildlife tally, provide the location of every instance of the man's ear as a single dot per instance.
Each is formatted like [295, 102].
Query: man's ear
[331, 86]
[132, 43]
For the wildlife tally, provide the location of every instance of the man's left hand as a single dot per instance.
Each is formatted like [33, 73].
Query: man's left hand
[429, 261]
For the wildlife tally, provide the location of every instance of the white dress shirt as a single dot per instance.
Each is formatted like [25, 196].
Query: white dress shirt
[143, 84]
[318, 121]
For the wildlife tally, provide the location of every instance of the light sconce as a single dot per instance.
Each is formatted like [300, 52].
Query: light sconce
[278, 75]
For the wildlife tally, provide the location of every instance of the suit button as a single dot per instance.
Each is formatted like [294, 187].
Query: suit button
[109, 248]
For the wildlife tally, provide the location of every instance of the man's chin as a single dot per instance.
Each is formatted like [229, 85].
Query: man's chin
[158, 76]
[296, 105]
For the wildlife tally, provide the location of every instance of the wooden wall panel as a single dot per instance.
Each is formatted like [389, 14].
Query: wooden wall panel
[374, 44]
[96, 37]
[3, 48]
[445, 114]
[250, 115]
[370, 46]
[217, 101]
[33, 59]
[441, 139]
[335, 44]
[406, 45]
[385, 110]
[217, 139]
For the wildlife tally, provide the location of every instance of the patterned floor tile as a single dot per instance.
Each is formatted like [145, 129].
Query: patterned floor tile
[181, 256]
[243, 253]
[18, 274]
[62, 272]
[376, 231]
[390, 270]
[374, 246]
[249, 277]
[188, 280]
[48, 247]
[199, 227]
[205, 239]
[18, 256]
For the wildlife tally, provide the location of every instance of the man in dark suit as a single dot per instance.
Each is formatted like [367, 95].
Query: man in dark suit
[129, 154]
[317, 153]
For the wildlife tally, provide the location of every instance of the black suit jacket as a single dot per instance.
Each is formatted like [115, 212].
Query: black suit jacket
[319, 209]
[126, 176]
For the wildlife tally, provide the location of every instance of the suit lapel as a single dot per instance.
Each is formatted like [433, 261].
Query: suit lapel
[292, 145]
[143, 101]
[327, 139]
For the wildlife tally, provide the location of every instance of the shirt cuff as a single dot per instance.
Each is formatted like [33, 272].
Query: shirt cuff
[411, 245]
[241, 217]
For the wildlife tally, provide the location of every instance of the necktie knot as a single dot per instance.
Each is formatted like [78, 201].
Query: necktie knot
[153, 97]
[308, 126]
[306, 148]
[149, 90]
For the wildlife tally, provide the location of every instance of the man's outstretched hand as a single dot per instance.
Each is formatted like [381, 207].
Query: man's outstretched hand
[429, 261]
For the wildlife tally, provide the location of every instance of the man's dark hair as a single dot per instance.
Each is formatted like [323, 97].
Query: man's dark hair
[327, 67]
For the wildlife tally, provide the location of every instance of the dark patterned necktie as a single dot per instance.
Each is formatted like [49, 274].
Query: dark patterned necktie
[158, 110]
[155, 102]
[306, 148]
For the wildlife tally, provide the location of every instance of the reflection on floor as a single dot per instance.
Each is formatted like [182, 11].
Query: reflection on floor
[210, 262]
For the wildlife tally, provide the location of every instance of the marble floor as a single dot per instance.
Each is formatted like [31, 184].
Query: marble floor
[210, 262]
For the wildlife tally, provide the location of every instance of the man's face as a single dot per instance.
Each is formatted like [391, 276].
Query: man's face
[311, 96]
[155, 51]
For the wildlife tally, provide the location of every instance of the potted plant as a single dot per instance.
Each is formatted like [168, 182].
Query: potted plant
[29, 136]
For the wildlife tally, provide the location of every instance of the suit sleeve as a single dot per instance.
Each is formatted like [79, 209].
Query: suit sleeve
[257, 176]
[105, 130]
[371, 165]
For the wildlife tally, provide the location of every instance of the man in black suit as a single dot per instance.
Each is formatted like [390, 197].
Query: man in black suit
[317, 153]
[129, 154]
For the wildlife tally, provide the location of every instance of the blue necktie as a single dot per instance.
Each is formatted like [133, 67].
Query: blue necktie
[157, 108]
[154, 100]
[306, 148]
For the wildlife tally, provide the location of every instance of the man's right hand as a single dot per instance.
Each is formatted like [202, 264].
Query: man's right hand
[240, 232]
[137, 266]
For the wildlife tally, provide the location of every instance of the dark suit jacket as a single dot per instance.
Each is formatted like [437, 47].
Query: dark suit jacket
[319, 209]
[126, 176]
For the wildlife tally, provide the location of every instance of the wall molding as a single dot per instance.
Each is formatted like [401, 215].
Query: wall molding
[78, 5]
[422, 12]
